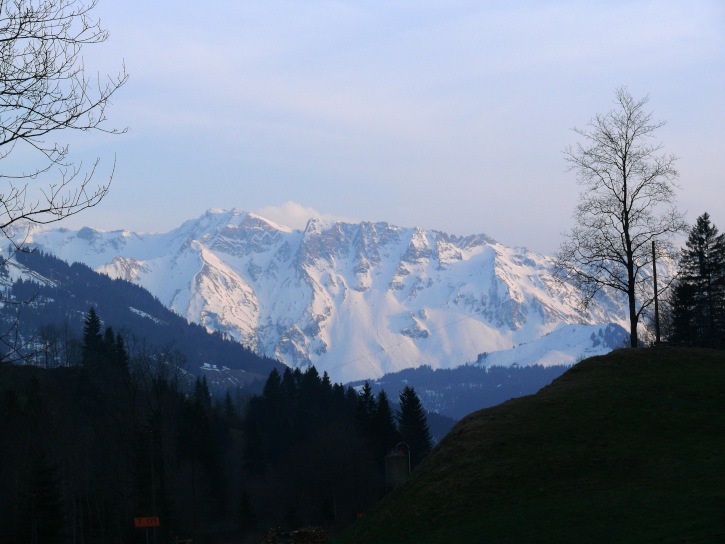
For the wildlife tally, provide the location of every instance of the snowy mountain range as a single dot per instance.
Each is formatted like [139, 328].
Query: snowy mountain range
[356, 300]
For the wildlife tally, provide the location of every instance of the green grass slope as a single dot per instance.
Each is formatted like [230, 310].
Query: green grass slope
[627, 447]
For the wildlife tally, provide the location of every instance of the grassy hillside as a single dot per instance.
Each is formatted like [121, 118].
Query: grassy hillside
[628, 447]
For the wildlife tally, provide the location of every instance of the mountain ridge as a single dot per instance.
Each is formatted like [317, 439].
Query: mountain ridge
[355, 299]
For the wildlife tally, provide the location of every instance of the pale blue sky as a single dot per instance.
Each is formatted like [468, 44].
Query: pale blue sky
[449, 115]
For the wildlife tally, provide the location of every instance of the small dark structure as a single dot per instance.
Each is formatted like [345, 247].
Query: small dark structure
[397, 465]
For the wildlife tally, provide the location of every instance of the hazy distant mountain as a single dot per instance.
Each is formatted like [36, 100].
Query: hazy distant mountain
[356, 300]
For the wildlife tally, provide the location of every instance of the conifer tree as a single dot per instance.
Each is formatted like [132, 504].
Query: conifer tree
[385, 434]
[310, 391]
[365, 407]
[289, 385]
[230, 411]
[202, 395]
[272, 392]
[326, 385]
[92, 338]
[351, 397]
[413, 425]
[698, 302]
[109, 339]
[120, 353]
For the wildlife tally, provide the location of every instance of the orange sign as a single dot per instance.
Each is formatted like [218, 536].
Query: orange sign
[141, 523]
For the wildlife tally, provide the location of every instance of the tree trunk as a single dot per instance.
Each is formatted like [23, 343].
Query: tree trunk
[633, 317]
[633, 341]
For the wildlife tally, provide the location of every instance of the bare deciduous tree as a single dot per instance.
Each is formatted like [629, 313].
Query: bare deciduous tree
[627, 202]
[45, 90]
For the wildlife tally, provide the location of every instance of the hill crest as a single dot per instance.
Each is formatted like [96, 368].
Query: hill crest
[625, 447]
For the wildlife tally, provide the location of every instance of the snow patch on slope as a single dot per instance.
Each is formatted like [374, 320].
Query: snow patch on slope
[566, 345]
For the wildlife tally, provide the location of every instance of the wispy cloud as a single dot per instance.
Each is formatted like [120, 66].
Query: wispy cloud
[294, 215]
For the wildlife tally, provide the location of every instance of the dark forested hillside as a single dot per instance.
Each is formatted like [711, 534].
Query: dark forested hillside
[51, 298]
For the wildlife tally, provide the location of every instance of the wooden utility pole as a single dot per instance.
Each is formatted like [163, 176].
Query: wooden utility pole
[657, 308]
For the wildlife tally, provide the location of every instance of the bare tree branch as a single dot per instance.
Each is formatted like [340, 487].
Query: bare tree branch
[45, 91]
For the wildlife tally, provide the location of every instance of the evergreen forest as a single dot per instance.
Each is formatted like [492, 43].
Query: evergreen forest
[87, 449]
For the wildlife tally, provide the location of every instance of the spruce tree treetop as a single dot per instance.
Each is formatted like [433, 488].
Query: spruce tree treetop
[120, 353]
[92, 338]
[92, 329]
[413, 425]
[273, 386]
[698, 301]
[365, 406]
[704, 254]
[202, 395]
[383, 426]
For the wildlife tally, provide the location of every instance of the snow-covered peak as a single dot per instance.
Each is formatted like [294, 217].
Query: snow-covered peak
[355, 299]
[270, 223]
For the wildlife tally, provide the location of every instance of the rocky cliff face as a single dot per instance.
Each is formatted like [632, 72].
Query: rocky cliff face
[356, 300]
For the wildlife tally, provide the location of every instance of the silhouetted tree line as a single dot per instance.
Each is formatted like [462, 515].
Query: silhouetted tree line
[88, 448]
[315, 450]
[457, 392]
